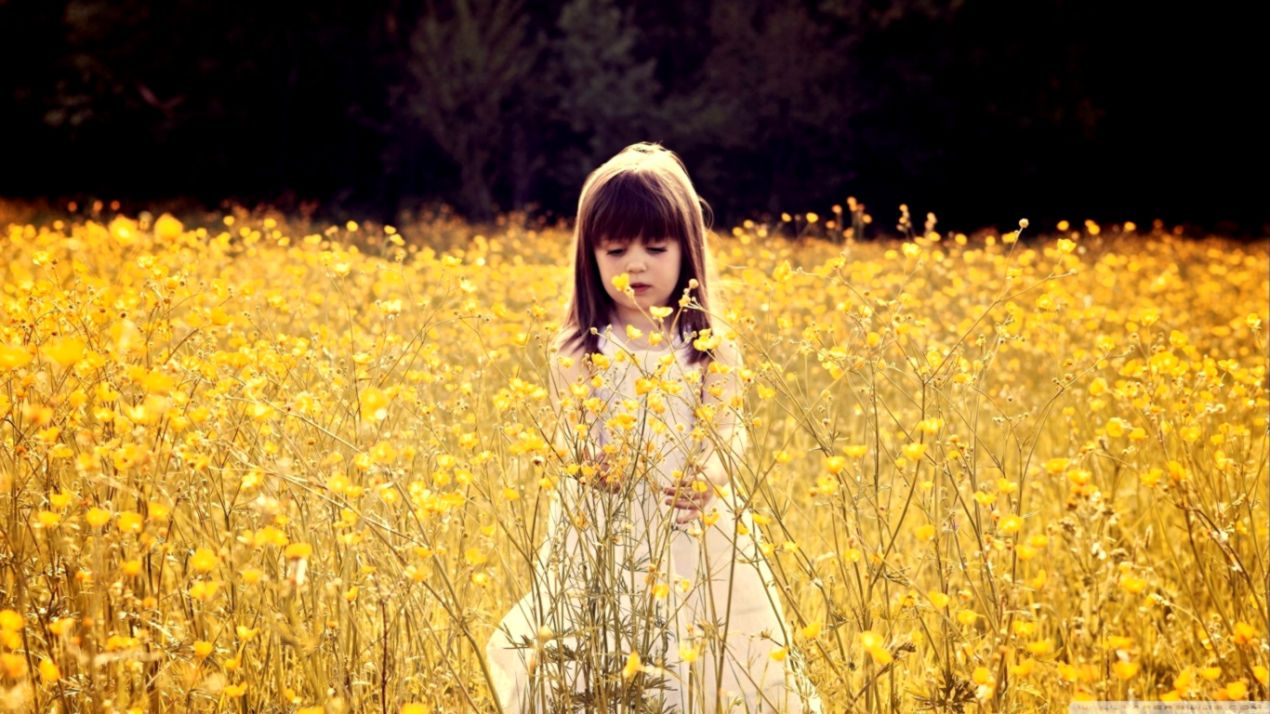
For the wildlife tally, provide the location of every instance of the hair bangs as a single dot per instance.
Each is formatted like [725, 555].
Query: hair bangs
[631, 206]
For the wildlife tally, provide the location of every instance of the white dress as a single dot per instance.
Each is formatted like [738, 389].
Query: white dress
[655, 588]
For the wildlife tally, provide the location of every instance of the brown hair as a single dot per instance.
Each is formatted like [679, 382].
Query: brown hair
[642, 191]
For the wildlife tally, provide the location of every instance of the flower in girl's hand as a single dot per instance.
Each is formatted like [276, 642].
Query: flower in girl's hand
[690, 496]
[604, 477]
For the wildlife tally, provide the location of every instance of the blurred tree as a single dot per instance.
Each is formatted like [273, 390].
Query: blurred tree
[772, 105]
[463, 68]
[185, 98]
[604, 93]
[785, 104]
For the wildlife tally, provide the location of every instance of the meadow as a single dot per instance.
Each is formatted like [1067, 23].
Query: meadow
[258, 464]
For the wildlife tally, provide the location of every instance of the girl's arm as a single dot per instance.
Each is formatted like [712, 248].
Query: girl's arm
[722, 393]
[567, 388]
[565, 370]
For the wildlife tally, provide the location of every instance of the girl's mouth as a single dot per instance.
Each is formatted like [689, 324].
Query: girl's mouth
[641, 288]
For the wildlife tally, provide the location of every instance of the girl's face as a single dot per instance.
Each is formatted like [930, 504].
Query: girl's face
[653, 266]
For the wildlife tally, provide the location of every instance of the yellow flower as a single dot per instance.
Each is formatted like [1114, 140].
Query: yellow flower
[779, 654]
[158, 511]
[65, 351]
[204, 590]
[1244, 633]
[204, 560]
[1010, 525]
[880, 655]
[59, 500]
[374, 403]
[10, 621]
[49, 671]
[870, 639]
[298, 551]
[270, 535]
[1041, 647]
[167, 227]
[1115, 427]
[13, 357]
[97, 517]
[1023, 668]
[1184, 679]
[812, 631]
[1126, 670]
[967, 617]
[938, 599]
[13, 665]
[913, 452]
[632, 667]
[622, 282]
[1132, 583]
[660, 312]
[130, 522]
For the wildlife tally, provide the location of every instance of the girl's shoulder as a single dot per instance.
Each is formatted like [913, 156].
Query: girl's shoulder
[566, 354]
[723, 348]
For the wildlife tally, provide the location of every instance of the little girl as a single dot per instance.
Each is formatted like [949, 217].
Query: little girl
[649, 591]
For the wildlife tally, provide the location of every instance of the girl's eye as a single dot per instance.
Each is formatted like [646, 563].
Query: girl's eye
[619, 251]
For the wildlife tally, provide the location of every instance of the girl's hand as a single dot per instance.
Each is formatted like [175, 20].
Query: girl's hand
[683, 496]
[601, 479]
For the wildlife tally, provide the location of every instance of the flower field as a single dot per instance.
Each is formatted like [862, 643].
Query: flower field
[254, 464]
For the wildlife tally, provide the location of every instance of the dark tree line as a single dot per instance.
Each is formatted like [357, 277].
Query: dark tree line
[980, 110]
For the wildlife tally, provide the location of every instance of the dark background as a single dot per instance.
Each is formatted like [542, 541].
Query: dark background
[982, 111]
